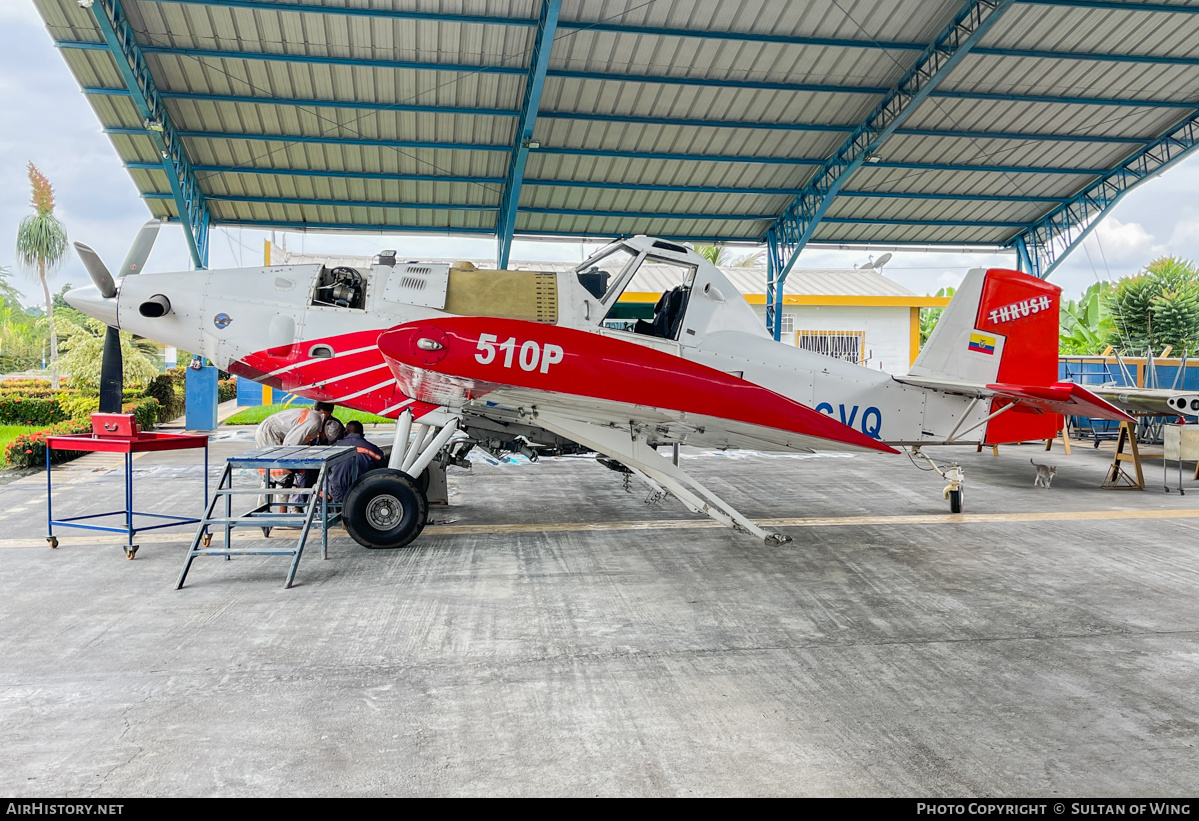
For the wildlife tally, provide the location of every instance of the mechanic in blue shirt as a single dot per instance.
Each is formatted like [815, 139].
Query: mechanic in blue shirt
[343, 474]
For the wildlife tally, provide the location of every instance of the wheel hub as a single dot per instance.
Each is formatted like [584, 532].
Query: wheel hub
[384, 512]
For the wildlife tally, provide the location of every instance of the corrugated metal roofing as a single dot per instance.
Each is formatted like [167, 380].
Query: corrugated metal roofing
[696, 119]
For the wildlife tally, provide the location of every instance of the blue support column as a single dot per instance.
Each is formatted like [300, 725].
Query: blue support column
[539, 64]
[131, 63]
[200, 394]
[1043, 245]
[774, 289]
[795, 227]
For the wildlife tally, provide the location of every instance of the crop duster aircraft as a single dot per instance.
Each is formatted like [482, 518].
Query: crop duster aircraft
[520, 361]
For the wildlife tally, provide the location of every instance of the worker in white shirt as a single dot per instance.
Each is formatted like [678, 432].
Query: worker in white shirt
[295, 426]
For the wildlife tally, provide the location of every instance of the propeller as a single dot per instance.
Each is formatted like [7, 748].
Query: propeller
[111, 366]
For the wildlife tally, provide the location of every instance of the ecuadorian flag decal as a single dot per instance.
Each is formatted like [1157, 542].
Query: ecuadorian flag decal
[982, 344]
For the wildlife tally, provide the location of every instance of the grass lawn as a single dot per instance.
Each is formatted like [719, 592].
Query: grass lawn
[11, 432]
[252, 416]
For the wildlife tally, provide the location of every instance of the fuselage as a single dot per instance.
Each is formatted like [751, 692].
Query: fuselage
[313, 331]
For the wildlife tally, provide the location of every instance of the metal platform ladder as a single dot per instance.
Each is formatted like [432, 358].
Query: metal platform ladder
[315, 510]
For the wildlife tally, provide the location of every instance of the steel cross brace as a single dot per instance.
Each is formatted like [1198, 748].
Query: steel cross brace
[131, 63]
[788, 235]
[1043, 245]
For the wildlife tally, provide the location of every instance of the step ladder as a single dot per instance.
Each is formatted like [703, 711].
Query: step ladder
[316, 510]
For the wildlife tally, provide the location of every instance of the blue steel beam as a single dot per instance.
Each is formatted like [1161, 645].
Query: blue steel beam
[599, 152]
[1054, 99]
[130, 62]
[1043, 245]
[1115, 5]
[539, 63]
[586, 212]
[651, 78]
[615, 185]
[606, 237]
[822, 128]
[616, 28]
[467, 68]
[625, 28]
[476, 68]
[792, 230]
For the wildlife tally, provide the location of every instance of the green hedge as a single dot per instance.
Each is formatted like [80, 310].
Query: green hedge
[21, 410]
[226, 389]
[29, 450]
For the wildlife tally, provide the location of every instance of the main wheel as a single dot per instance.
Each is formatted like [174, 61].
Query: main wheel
[955, 501]
[385, 509]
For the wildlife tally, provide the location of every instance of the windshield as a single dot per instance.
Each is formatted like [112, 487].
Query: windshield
[600, 274]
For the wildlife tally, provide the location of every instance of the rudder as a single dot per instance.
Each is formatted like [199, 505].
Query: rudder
[1000, 327]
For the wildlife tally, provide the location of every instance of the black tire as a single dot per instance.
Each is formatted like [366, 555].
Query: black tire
[955, 501]
[385, 509]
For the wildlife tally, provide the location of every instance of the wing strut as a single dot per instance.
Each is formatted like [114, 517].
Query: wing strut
[631, 450]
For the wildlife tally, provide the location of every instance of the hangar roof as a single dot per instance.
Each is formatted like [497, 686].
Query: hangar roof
[691, 119]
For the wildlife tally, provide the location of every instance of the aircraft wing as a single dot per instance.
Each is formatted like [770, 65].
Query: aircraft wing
[1164, 401]
[502, 367]
[1064, 398]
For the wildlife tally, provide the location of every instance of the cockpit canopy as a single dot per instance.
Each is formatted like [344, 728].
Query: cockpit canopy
[630, 275]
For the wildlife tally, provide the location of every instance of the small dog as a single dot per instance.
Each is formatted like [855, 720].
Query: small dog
[1044, 475]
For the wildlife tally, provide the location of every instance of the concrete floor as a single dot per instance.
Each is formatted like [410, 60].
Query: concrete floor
[551, 641]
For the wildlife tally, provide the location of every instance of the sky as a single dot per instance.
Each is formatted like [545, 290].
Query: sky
[47, 120]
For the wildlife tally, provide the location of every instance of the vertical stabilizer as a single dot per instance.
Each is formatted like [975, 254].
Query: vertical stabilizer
[1001, 327]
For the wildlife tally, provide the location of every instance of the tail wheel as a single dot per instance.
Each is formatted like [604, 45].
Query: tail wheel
[955, 501]
[385, 509]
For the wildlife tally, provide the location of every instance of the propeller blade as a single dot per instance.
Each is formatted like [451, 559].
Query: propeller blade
[139, 251]
[111, 373]
[97, 270]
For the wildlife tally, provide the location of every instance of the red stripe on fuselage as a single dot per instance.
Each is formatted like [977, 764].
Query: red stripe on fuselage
[477, 355]
[325, 379]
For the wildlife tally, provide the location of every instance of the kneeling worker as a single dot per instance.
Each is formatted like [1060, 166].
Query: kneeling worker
[343, 474]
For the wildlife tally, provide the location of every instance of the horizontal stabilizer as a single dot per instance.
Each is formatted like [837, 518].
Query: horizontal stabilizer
[1065, 398]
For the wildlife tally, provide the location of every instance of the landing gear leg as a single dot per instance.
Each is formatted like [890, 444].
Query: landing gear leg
[633, 452]
[388, 508]
[955, 475]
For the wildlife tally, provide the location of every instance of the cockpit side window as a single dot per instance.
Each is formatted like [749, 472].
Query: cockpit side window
[638, 311]
[340, 287]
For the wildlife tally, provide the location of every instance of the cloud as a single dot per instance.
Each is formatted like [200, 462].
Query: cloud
[1122, 243]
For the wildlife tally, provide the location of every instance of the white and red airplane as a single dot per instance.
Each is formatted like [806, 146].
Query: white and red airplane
[518, 360]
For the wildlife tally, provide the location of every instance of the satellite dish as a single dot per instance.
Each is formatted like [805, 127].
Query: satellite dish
[881, 261]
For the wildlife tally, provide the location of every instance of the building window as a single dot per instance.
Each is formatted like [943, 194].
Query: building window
[788, 325]
[845, 345]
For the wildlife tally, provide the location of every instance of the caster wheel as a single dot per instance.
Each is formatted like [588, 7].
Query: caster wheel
[130, 551]
[955, 501]
[52, 541]
[207, 540]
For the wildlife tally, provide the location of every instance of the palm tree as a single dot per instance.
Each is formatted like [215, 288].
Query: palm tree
[721, 257]
[42, 246]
